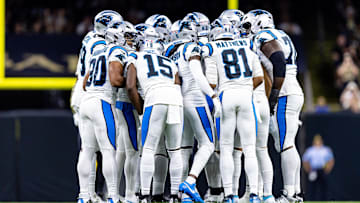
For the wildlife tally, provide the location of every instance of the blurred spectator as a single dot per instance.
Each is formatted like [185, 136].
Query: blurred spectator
[339, 49]
[48, 21]
[318, 161]
[350, 98]
[290, 27]
[20, 28]
[321, 105]
[84, 26]
[60, 21]
[347, 72]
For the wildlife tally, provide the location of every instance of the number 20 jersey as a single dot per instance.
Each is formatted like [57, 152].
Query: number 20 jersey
[98, 84]
[156, 76]
[290, 85]
[234, 62]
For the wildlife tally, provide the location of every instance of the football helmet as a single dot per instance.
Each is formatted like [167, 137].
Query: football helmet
[233, 15]
[162, 25]
[115, 33]
[256, 20]
[174, 30]
[221, 29]
[104, 18]
[151, 41]
[201, 21]
[187, 32]
[130, 35]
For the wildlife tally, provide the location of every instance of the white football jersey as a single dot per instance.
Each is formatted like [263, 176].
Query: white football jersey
[90, 42]
[98, 83]
[290, 85]
[156, 77]
[191, 91]
[233, 61]
[121, 94]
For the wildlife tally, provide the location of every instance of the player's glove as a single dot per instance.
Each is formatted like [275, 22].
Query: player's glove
[273, 99]
[217, 106]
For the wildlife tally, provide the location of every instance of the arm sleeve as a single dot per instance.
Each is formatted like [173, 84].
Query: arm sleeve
[211, 70]
[196, 70]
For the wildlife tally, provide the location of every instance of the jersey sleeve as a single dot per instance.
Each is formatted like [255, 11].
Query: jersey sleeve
[95, 44]
[190, 50]
[207, 50]
[263, 37]
[131, 59]
[117, 53]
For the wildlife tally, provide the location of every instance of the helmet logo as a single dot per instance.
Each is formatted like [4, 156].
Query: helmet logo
[104, 19]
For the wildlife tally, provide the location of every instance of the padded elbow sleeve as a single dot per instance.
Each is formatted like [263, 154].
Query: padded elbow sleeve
[279, 64]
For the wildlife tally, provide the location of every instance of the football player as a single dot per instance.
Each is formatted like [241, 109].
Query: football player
[286, 96]
[163, 111]
[234, 62]
[128, 143]
[197, 116]
[97, 123]
[93, 40]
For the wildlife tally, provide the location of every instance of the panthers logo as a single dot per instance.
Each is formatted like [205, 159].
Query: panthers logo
[104, 20]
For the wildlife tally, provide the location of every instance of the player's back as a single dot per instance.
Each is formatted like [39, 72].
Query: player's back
[189, 87]
[290, 85]
[156, 76]
[234, 60]
[98, 83]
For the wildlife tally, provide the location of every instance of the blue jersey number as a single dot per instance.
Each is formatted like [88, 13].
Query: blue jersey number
[164, 68]
[292, 55]
[230, 59]
[97, 71]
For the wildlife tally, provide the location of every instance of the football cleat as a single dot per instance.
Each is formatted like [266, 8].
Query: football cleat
[82, 200]
[299, 198]
[236, 199]
[174, 199]
[228, 199]
[253, 198]
[269, 199]
[190, 190]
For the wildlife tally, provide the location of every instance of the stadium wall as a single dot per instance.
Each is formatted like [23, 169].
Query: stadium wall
[40, 151]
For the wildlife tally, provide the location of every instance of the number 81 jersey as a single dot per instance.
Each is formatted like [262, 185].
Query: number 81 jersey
[290, 85]
[98, 83]
[233, 61]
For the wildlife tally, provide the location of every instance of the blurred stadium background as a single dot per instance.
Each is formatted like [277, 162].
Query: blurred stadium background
[39, 143]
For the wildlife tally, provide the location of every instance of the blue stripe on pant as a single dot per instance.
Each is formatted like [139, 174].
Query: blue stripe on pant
[256, 124]
[145, 123]
[205, 122]
[110, 122]
[127, 109]
[210, 103]
[281, 119]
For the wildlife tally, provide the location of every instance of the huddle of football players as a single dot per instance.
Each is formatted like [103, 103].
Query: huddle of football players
[145, 93]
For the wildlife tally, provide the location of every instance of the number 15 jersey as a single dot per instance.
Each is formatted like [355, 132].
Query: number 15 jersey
[156, 76]
[234, 62]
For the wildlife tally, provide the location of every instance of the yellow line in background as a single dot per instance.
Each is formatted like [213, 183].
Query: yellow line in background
[2, 39]
[36, 83]
[233, 4]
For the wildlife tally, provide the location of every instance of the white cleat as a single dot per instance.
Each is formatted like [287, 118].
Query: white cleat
[245, 198]
[269, 199]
